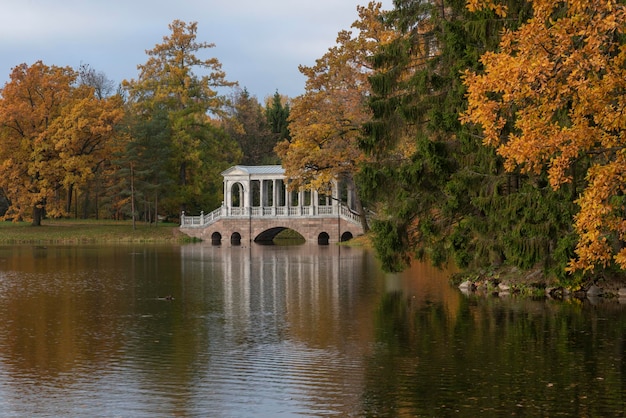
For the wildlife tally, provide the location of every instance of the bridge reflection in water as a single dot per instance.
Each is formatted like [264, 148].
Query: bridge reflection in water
[303, 282]
[294, 319]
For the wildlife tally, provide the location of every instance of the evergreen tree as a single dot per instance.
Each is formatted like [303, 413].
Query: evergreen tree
[246, 124]
[147, 159]
[277, 116]
[444, 194]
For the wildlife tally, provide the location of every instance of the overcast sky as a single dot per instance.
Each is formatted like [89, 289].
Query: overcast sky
[259, 43]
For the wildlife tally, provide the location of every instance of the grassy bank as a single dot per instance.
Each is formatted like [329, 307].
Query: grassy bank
[89, 232]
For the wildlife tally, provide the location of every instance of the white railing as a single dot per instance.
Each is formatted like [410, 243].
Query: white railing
[348, 215]
[269, 212]
[201, 220]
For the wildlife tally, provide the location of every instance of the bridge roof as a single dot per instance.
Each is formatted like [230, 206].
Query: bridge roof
[277, 170]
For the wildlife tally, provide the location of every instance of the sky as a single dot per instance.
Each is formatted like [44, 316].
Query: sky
[259, 43]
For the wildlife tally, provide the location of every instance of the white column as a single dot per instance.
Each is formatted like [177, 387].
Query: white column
[274, 205]
[261, 194]
[275, 193]
[247, 194]
[351, 193]
[226, 194]
[227, 198]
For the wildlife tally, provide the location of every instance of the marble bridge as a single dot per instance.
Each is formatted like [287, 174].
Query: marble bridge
[257, 206]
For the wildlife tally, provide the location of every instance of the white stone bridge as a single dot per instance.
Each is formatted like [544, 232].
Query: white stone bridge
[257, 206]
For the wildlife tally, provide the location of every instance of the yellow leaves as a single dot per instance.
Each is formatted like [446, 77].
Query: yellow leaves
[68, 128]
[600, 222]
[553, 92]
[168, 78]
[475, 5]
[325, 122]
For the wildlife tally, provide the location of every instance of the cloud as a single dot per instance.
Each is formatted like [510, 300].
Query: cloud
[260, 43]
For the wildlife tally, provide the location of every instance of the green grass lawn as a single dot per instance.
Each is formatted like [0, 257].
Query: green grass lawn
[55, 231]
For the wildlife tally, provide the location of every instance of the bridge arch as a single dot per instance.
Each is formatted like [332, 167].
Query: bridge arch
[346, 236]
[323, 238]
[268, 235]
[235, 238]
[216, 238]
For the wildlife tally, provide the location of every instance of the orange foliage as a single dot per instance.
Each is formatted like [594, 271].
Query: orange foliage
[325, 122]
[53, 135]
[498, 9]
[556, 91]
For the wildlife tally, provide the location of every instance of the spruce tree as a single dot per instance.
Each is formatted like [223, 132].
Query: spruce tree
[446, 196]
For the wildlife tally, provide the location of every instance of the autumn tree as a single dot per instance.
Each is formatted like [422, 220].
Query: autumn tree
[325, 123]
[199, 150]
[54, 134]
[91, 193]
[552, 97]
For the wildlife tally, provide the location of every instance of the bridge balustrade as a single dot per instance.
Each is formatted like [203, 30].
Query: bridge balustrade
[325, 210]
[266, 212]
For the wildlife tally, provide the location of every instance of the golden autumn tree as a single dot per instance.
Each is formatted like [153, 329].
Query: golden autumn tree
[326, 121]
[53, 135]
[177, 82]
[554, 95]
[83, 137]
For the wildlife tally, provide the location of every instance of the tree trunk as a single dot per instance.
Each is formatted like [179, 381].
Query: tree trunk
[86, 204]
[132, 194]
[182, 181]
[68, 203]
[156, 209]
[37, 214]
[96, 201]
[75, 203]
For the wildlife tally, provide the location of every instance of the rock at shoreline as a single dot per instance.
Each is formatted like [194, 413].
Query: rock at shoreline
[504, 287]
[594, 291]
[467, 285]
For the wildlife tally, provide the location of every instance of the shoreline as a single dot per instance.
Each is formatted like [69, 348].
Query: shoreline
[532, 283]
[498, 282]
[70, 231]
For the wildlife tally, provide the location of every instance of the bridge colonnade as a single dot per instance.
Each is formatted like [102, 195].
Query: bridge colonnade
[257, 205]
[249, 187]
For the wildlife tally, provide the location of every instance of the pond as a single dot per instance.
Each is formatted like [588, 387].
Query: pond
[196, 330]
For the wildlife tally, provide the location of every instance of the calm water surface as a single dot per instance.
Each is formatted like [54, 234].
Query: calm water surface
[288, 331]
